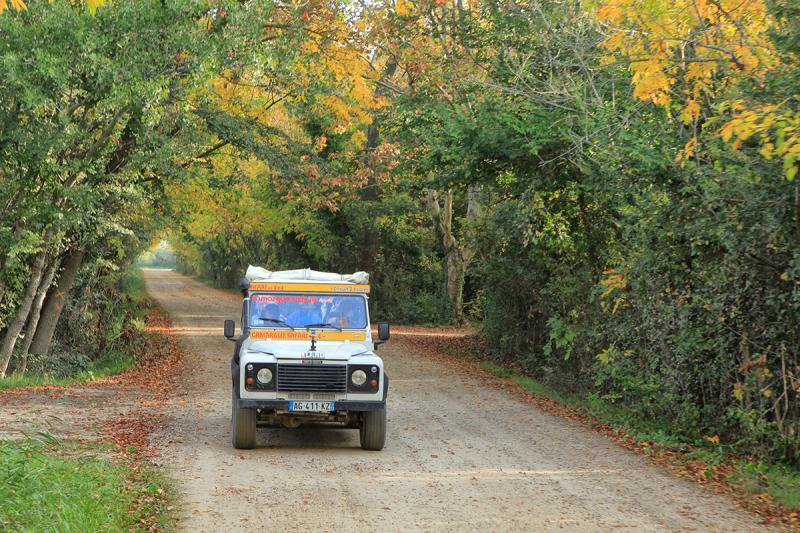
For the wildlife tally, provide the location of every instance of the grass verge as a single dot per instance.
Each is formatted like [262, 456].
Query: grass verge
[710, 461]
[114, 360]
[108, 366]
[47, 484]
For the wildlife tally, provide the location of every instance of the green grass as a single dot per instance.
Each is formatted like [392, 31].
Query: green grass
[606, 413]
[532, 386]
[108, 366]
[780, 482]
[52, 485]
[133, 284]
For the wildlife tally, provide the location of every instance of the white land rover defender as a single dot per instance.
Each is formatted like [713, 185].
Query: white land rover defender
[306, 355]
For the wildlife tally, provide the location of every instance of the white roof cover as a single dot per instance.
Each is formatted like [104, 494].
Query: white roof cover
[255, 273]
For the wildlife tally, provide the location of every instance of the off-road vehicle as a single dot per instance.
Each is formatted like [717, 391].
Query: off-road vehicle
[305, 354]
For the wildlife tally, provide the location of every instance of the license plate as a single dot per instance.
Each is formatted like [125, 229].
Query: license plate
[311, 407]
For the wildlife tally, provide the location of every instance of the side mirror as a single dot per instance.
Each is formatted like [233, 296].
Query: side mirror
[230, 329]
[383, 331]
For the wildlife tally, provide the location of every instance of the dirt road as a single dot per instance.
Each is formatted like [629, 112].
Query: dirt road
[461, 456]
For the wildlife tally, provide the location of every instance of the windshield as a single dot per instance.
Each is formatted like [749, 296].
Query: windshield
[277, 310]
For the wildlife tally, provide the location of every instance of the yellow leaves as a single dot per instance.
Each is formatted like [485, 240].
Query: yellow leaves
[17, 5]
[612, 284]
[690, 112]
[320, 143]
[707, 46]
[746, 58]
[402, 7]
[611, 12]
[688, 151]
[607, 356]
[650, 81]
[738, 391]
[612, 281]
[253, 168]
[611, 354]
[358, 138]
[726, 131]
[94, 4]
[713, 439]
[777, 131]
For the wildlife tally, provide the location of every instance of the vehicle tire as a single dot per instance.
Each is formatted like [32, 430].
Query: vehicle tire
[243, 426]
[373, 430]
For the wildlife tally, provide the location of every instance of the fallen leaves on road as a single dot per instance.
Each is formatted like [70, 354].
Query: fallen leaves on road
[155, 376]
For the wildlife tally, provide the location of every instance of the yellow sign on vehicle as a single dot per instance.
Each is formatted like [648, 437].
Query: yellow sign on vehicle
[322, 335]
[340, 288]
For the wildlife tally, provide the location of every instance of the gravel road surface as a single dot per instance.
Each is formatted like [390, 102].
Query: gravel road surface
[460, 455]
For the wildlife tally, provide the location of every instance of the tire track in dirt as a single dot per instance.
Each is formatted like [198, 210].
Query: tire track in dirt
[460, 456]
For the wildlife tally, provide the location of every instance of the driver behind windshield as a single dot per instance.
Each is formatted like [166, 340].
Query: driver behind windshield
[272, 312]
[263, 310]
[348, 314]
[308, 313]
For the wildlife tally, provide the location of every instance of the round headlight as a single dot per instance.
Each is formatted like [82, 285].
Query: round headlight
[359, 377]
[264, 376]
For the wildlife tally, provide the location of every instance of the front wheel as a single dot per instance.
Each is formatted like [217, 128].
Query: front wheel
[373, 430]
[243, 426]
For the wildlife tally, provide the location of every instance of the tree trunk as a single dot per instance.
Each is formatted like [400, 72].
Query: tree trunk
[797, 212]
[54, 303]
[16, 325]
[369, 193]
[36, 313]
[456, 269]
[458, 256]
[16, 233]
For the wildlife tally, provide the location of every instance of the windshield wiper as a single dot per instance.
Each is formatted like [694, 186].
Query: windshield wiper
[324, 325]
[277, 321]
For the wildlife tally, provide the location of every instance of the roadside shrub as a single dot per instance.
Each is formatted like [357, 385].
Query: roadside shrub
[60, 363]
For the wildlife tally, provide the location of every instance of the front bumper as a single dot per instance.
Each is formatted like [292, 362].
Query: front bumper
[283, 405]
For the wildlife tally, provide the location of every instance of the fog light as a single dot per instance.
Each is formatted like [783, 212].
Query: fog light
[374, 369]
[264, 376]
[359, 377]
[250, 367]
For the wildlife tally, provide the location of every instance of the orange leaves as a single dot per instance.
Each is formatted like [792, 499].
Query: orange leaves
[650, 82]
[15, 4]
[402, 7]
[320, 143]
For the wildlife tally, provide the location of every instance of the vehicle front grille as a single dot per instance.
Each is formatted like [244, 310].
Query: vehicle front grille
[317, 378]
